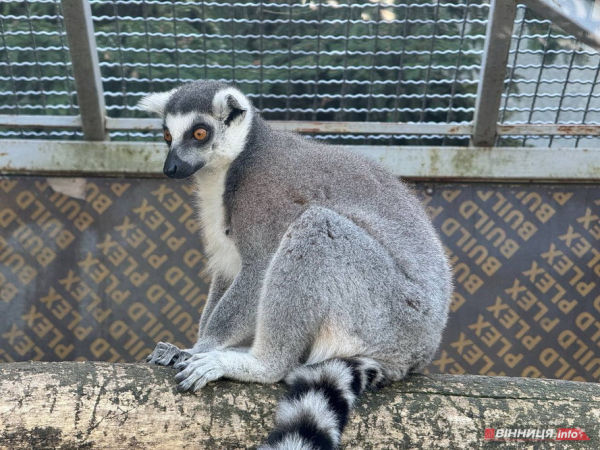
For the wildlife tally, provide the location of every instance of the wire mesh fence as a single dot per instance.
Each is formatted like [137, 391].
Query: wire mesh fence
[35, 65]
[413, 61]
[551, 79]
[327, 61]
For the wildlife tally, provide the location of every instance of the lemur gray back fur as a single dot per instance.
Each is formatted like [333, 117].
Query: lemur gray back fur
[325, 268]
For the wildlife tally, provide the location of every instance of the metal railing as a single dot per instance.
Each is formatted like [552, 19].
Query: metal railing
[427, 86]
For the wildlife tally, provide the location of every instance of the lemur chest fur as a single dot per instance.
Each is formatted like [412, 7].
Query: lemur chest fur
[223, 256]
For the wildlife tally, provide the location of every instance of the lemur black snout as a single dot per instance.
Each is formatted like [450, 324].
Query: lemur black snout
[175, 167]
[172, 167]
[170, 171]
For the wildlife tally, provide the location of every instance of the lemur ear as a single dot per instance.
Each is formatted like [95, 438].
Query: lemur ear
[156, 103]
[235, 110]
[230, 106]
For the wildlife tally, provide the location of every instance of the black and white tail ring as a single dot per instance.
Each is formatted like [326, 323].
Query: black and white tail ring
[315, 411]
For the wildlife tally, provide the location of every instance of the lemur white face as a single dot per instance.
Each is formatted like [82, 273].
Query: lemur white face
[191, 139]
[205, 124]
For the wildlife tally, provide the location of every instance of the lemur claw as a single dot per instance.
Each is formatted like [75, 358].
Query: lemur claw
[183, 356]
[198, 370]
[166, 354]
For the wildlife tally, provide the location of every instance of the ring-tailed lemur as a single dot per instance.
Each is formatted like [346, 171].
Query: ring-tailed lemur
[325, 268]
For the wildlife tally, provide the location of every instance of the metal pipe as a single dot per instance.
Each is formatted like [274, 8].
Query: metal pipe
[86, 68]
[493, 70]
[577, 17]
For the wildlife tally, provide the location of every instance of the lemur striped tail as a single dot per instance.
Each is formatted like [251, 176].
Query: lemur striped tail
[314, 412]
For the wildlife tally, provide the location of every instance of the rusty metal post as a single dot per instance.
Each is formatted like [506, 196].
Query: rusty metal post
[493, 71]
[86, 69]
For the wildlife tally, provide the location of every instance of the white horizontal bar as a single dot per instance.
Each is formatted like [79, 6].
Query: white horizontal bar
[317, 127]
[113, 124]
[146, 159]
[372, 127]
[549, 130]
[31, 121]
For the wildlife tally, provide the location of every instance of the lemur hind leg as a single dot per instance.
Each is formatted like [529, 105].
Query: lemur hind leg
[317, 270]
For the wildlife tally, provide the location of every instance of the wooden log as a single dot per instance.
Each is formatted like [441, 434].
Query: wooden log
[119, 406]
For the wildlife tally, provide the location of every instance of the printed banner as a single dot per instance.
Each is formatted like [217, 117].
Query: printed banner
[102, 269]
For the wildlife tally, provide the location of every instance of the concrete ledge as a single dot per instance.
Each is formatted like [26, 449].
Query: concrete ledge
[101, 405]
[145, 159]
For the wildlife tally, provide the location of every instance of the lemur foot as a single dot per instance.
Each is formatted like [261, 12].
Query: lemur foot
[198, 370]
[166, 354]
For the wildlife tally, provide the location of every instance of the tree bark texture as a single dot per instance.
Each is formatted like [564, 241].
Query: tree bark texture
[93, 405]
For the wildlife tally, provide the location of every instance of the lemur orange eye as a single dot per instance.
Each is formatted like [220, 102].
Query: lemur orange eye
[200, 133]
[167, 136]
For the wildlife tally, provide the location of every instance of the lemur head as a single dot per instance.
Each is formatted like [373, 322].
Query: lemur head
[205, 123]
